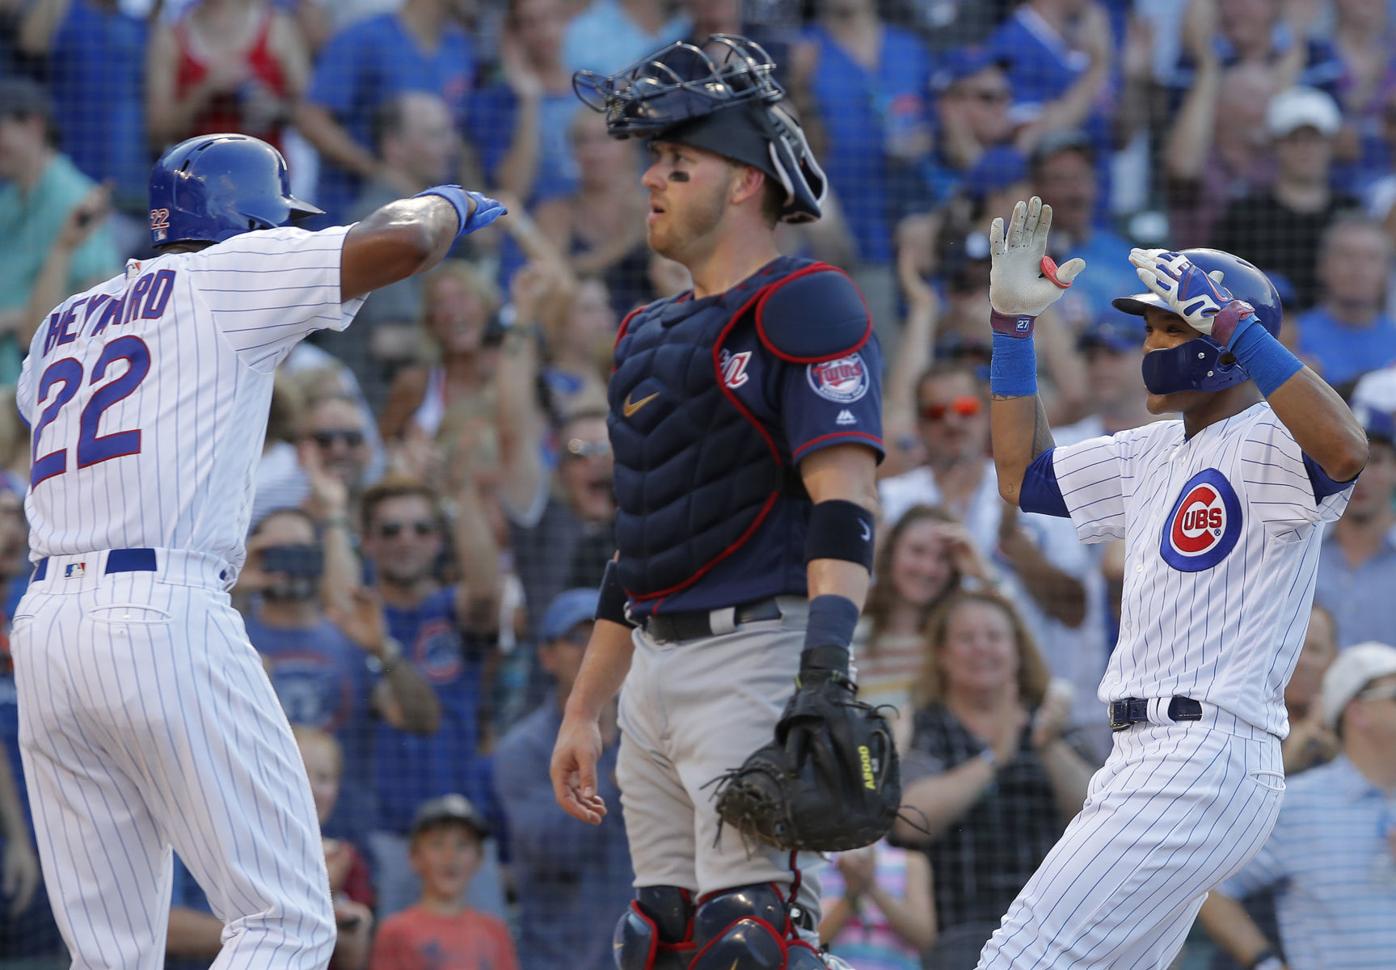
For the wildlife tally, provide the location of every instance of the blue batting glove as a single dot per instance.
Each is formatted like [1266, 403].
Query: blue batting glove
[1203, 301]
[487, 210]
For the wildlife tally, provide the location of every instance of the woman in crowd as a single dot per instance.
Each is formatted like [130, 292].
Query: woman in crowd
[458, 305]
[878, 910]
[225, 65]
[926, 557]
[990, 781]
[600, 226]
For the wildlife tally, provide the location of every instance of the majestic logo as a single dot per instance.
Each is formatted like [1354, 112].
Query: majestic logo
[734, 366]
[843, 381]
[845, 417]
[1204, 524]
[630, 408]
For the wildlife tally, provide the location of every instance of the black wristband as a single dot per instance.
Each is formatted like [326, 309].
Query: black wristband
[610, 604]
[840, 529]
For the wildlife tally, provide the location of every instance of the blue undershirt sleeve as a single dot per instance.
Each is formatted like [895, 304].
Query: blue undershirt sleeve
[1039, 491]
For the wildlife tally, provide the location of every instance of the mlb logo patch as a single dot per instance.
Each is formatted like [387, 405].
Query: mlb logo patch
[78, 569]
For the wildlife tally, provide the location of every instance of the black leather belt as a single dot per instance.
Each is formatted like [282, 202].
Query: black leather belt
[1135, 710]
[696, 624]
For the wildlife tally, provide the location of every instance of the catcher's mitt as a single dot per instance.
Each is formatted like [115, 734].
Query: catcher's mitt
[828, 782]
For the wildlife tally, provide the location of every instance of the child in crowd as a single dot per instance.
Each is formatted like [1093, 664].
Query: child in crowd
[445, 846]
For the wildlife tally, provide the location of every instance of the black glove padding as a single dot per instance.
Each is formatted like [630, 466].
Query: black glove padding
[828, 782]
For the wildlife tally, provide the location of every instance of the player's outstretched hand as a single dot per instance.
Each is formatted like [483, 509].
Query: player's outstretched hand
[1023, 279]
[573, 769]
[1202, 300]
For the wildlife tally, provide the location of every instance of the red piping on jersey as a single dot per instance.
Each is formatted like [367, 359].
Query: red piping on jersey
[770, 501]
[620, 333]
[765, 295]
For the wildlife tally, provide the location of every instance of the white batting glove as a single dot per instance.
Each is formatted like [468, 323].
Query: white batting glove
[1199, 298]
[1023, 279]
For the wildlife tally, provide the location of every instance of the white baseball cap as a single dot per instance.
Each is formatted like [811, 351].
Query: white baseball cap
[1355, 668]
[1302, 107]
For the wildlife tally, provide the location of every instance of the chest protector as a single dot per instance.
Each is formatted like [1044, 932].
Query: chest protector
[696, 473]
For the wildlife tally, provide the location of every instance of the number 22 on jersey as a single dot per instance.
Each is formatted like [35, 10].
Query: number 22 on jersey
[92, 447]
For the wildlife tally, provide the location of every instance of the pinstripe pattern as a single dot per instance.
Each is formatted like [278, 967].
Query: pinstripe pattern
[122, 768]
[1215, 611]
[147, 722]
[235, 311]
[1228, 635]
[1175, 810]
[1330, 859]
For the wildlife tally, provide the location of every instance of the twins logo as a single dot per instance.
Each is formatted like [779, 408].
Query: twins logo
[1204, 524]
[843, 381]
[734, 367]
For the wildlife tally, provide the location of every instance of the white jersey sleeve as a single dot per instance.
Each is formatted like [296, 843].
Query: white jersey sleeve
[1278, 486]
[1097, 476]
[268, 290]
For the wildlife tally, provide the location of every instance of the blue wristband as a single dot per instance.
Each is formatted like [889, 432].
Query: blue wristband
[1013, 369]
[1267, 361]
[832, 620]
[486, 209]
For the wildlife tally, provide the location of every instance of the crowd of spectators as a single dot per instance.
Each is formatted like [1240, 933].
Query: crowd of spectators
[433, 508]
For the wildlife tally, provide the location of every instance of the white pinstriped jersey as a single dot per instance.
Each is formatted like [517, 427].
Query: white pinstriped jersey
[1222, 534]
[147, 395]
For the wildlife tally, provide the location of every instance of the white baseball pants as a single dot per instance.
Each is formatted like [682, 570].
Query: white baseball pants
[147, 722]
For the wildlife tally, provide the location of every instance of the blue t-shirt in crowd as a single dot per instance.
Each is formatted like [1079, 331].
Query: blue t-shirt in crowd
[97, 76]
[323, 681]
[865, 112]
[366, 64]
[1344, 352]
[489, 124]
[411, 768]
[1041, 69]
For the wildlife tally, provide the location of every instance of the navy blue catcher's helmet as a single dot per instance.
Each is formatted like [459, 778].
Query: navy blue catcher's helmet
[1203, 364]
[722, 97]
[214, 187]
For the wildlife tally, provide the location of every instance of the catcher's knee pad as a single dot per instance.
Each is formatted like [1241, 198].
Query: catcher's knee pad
[656, 931]
[750, 928]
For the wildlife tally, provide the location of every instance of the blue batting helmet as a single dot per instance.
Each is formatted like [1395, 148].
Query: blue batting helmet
[214, 187]
[722, 97]
[1203, 364]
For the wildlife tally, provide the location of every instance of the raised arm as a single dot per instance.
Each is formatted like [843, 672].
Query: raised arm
[1023, 282]
[1321, 422]
[410, 236]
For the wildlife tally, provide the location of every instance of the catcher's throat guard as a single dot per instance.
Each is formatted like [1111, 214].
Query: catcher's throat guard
[722, 97]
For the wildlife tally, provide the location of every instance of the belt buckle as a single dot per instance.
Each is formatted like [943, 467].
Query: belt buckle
[1115, 723]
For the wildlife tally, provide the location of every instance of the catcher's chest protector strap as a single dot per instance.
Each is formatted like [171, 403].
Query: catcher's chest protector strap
[749, 928]
[656, 930]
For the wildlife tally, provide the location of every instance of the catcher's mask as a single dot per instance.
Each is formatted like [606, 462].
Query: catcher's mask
[1202, 364]
[721, 97]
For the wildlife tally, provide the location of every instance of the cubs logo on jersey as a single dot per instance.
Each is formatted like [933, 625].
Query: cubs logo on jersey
[1204, 524]
[843, 381]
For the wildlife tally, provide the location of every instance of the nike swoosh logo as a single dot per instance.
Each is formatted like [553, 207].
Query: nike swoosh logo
[866, 530]
[630, 408]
